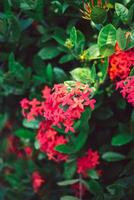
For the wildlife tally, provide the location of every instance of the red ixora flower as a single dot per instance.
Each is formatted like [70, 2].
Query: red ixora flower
[120, 63]
[37, 181]
[127, 89]
[61, 106]
[87, 162]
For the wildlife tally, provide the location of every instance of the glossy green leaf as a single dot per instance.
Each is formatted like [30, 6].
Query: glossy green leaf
[25, 133]
[112, 156]
[107, 40]
[122, 139]
[122, 12]
[69, 169]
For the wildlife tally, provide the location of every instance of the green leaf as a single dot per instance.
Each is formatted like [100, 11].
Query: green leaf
[14, 28]
[69, 198]
[48, 53]
[65, 148]
[82, 75]
[66, 58]
[122, 12]
[93, 52]
[107, 40]
[59, 75]
[25, 133]
[112, 156]
[69, 169]
[122, 139]
[94, 187]
[93, 174]
[68, 182]
[130, 14]
[49, 73]
[73, 35]
[121, 38]
[33, 124]
[98, 15]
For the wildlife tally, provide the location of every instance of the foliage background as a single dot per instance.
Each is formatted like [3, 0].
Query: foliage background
[34, 52]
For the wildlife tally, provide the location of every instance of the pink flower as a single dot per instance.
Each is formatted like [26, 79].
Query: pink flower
[37, 181]
[87, 162]
[127, 89]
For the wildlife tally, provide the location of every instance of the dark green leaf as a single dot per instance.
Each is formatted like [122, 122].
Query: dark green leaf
[48, 53]
[94, 187]
[98, 15]
[122, 139]
[25, 133]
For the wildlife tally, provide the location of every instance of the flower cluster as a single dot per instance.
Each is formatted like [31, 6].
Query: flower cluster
[127, 89]
[120, 64]
[37, 181]
[87, 162]
[60, 107]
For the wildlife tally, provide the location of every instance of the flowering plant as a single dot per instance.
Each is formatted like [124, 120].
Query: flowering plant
[67, 98]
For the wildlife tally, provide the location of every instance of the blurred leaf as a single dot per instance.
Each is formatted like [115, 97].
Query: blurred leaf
[49, 73]
[112, 156]
[94, 187]
[24, 133]
[68, 182]
[93, 174]
[122, 139]
[65, 148]
[3, 191]
[48, 53]
[3, 120]
[69, 198]
[59, 75]
[69, 169]
[66, 58]
[98, 15]
[34, 124]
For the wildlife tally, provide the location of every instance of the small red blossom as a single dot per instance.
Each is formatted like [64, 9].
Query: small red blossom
[87, 162]
[120, 64]
[37, 181]
[28, 151]
[78, 188]
[127, 89]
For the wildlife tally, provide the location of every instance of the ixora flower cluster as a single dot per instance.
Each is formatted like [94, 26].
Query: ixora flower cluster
[120, 66]
[61, 107]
